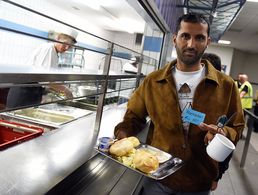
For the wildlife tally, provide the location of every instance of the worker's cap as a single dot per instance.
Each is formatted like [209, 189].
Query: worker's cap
[133, 59]
[71, 33]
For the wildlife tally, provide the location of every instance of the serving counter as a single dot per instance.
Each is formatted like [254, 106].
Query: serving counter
[39, 165]
[36, 166]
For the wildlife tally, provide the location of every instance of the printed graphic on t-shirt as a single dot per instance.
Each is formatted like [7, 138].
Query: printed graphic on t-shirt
[185, 96]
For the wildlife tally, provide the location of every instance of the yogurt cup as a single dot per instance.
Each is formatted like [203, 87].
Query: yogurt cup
[105, 143]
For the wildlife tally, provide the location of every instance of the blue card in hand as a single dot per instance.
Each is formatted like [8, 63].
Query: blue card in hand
[192, 116]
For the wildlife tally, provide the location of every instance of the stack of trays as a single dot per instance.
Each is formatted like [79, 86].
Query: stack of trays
[12, 133]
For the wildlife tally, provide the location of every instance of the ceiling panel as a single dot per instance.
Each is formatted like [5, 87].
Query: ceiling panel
[247, 20]
[110, 15]
[219, 12]
[242, 32]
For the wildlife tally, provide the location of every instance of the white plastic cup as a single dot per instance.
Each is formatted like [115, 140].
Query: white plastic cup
[220, 147]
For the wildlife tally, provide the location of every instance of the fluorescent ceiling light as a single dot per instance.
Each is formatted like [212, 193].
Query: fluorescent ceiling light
[253, 1]
[93, 4]
[124, 24]
[224, 42]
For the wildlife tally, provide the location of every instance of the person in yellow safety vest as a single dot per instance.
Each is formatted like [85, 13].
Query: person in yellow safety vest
[246, 91]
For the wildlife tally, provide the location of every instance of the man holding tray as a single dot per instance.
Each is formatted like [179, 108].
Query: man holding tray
[184, 100]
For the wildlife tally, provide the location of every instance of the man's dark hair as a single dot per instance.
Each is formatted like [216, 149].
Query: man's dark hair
[213, 59]
[192, 18]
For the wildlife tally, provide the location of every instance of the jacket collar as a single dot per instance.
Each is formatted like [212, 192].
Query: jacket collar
[166, 72]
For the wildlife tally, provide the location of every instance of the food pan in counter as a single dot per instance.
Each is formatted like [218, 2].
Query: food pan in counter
[53, 115]
[80, 104]
[168, 164]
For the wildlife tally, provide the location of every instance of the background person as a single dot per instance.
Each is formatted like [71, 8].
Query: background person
[45, 57]
[131, 66]
[246, 91]
[213, 59]
[166, 93]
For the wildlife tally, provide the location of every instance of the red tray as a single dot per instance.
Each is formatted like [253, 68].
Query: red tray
[12, 133]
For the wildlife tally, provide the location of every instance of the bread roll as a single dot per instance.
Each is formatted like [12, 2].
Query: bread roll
[121, 147]
[145, 161]
[134, 140]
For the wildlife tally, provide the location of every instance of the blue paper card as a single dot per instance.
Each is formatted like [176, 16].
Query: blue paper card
[192, 116]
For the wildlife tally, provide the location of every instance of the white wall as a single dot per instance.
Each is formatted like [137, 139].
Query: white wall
[126, 39]
[225, 53]
[16, 48]
[247, 63]
[250, 66]
[122, 38]
[237, 63]
[241, 62]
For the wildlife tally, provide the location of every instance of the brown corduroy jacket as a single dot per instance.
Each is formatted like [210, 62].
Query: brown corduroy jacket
[157, 98]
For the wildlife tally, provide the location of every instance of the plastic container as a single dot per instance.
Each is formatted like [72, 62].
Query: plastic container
[105, 143]
[12, 133]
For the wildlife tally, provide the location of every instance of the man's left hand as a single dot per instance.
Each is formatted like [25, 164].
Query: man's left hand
[211, 131]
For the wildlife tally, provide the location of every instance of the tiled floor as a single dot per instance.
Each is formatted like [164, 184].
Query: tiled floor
[254, 141]
[241, 181]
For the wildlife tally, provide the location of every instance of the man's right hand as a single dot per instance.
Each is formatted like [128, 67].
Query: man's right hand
[120, 134]
[214, 185]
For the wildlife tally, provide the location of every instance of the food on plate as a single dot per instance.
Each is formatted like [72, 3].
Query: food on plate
[121, 147]
[142, 159]
[134, 140]
[128, 159]
[145, 161]
[159, 154]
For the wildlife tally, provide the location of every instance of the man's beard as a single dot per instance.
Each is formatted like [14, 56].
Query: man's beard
[190, 61]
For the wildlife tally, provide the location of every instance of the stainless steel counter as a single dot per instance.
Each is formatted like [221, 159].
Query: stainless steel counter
[35, 166]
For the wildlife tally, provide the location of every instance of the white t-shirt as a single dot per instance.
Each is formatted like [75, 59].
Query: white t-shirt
[44, 57]
[186, 83]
